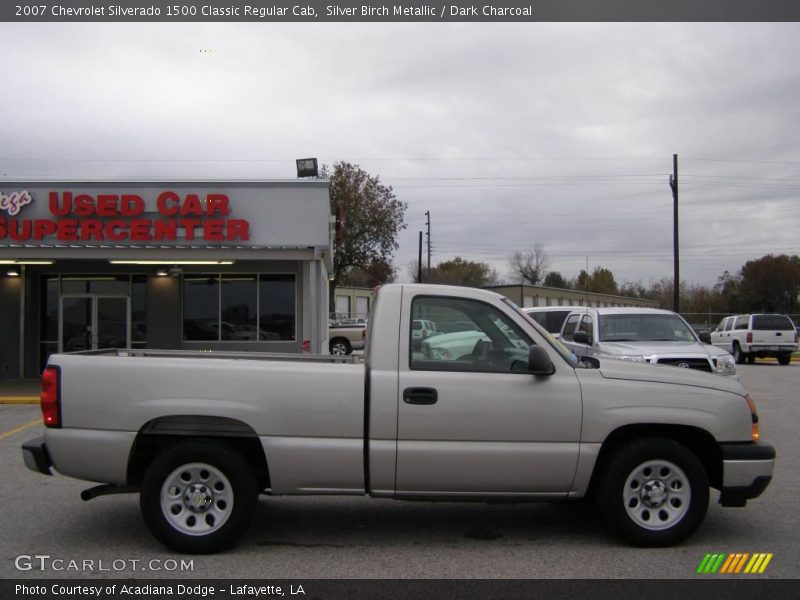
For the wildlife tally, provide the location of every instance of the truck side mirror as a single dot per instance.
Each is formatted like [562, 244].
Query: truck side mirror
[705, 337]
[539, 362]
[580, 337]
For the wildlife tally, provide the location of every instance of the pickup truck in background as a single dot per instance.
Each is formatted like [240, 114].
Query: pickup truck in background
[343, 339]
[646, 335]
[199, 435]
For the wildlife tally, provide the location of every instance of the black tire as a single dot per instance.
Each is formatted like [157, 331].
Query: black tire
[738, 355]
[661, 508]
[340, 347]
[784, 359]
[213, 516]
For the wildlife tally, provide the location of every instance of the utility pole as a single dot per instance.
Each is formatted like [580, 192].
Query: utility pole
[428, 214]
[676, 280]
[419, 260]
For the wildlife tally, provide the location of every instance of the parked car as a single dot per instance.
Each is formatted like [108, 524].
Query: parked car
[753, 336]
[647, 335]
[458, 345]
[200, 436]
[550, 317]
[422, 329]
[343, 339]
[458, 326]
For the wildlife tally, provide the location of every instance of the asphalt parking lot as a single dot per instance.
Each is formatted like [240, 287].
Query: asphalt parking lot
[366, 538]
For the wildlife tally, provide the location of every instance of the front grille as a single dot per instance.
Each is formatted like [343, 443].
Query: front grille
[701, 364]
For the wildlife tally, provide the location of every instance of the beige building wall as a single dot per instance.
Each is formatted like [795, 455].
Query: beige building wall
[526, 296]
[352, 303]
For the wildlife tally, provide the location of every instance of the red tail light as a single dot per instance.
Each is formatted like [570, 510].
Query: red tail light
[749, 338]
[50, 398]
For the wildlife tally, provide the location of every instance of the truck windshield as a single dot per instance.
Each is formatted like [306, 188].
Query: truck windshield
[644, 328]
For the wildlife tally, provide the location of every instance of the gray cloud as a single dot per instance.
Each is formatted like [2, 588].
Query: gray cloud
[510, 134]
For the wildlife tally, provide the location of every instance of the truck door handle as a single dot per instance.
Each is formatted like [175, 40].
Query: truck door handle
[420, 396]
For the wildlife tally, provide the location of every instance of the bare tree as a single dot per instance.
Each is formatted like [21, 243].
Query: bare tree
[530, 266]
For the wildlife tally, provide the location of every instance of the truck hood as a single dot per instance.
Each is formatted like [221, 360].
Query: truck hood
[651, 348]
[619, 369]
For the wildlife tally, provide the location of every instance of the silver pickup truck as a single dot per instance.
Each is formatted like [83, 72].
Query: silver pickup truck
[200, 434]
[647, 335]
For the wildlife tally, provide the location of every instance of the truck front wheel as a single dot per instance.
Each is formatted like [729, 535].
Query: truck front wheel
[654, 492]
[198, 497]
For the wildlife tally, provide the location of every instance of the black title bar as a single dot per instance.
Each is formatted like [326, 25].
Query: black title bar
[343, 11]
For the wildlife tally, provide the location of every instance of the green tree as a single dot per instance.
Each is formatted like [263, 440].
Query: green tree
[458, 271]
[556, 280]
[770, 284]
[371, 215]
[602, 282]
[375, 273]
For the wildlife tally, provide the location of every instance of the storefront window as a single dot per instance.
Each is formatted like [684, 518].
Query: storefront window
[238, 307]
[104, 284]
[201, 307]
[277, 307]
[50, 312]
[138, 310]
[239, 314]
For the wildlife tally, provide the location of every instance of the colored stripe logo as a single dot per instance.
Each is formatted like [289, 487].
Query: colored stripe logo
[734, 563]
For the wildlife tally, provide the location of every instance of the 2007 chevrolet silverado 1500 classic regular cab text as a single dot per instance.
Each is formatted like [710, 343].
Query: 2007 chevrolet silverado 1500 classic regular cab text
[200, 435]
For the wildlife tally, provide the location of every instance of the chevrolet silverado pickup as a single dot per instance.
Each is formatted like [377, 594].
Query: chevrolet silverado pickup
[199, 435]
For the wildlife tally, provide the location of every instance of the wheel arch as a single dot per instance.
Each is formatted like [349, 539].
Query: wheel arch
[159, 434]
[699, 441]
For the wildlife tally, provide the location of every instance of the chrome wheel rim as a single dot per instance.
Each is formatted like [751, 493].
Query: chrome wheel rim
[196, 499]
[657, 495]
[339, 349]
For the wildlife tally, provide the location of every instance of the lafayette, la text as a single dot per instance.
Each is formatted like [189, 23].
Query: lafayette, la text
[132, 589]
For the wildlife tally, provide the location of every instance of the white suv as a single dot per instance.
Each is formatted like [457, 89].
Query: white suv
[758, 335]
[422, 329]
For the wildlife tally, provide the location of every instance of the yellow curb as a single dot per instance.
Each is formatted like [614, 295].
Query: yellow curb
[19, 399]
[20, 428]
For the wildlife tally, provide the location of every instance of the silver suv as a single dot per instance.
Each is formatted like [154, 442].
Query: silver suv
[646, 335]
[758, 335]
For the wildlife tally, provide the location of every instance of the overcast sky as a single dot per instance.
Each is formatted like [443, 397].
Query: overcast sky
[510, 134]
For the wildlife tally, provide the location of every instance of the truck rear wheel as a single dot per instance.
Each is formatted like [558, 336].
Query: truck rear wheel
[198, 497]
[340, 347]
[654, 492]
[784, 359]
[738, 355]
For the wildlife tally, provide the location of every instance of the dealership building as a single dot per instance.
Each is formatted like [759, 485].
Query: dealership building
[196, 265]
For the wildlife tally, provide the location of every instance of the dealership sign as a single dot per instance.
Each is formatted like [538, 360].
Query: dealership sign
[121, 217]
[13, 203]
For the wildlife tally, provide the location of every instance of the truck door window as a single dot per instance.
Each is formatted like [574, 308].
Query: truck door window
[586, 327]
[484, 340]
[569, 327]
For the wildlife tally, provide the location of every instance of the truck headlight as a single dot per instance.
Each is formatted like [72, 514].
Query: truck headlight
[631, 358]
[441, 354]
[725, 365]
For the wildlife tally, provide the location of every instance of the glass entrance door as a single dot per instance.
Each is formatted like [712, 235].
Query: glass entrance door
[94, 322]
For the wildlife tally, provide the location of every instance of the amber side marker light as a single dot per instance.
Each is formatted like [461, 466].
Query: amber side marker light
[753, 417]
[49, 400]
